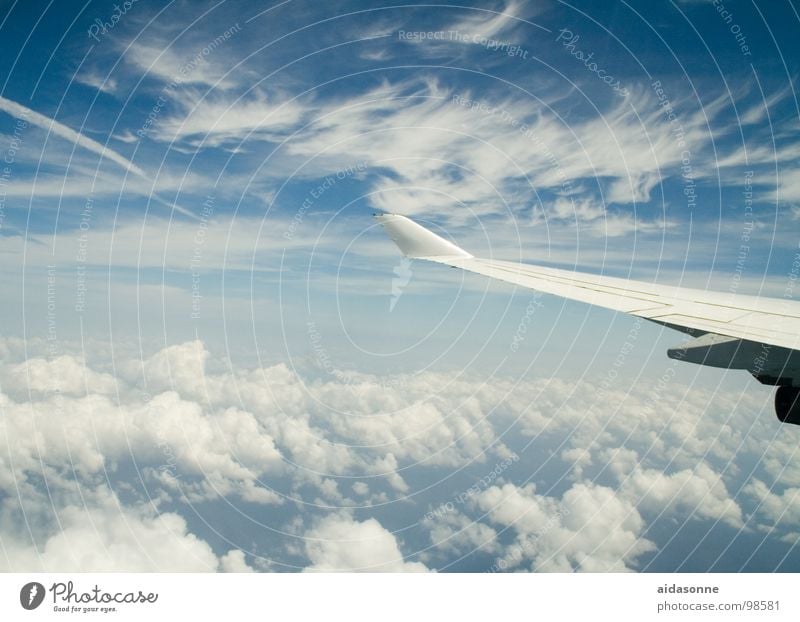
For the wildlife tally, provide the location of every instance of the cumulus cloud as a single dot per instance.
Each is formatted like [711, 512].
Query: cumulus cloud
[234, 561]
[102, 535]
[74, 423]
[700, 493]
[201, 430]
[778, 507]
[198, 435]
[373, 423]
[342, 544]
[454, 532]
[64, 374]
[591, 528]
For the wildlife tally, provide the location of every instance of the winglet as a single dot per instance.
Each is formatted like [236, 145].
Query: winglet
[415, 241]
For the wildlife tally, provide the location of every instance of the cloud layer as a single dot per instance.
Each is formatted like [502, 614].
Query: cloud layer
[102, 466]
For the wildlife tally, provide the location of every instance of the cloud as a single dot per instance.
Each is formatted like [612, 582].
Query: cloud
[202, 430]
[64, 374]
[373, 422]
[158, 243]
[102, 535]
[778, 508]
[479, 34]
[201, 60]
[234, 561]
[788, 185]
[134, 447]
[699, 493]
[757, 113]
[590, 216]
[434, 149]
[445, 150]
[202, 436]
[627, 416]
[339, 543]
[212, 120]
[454, 532]
[59, 129]
[96, 81]
[590, 529]
[490, 24]
[188, 451]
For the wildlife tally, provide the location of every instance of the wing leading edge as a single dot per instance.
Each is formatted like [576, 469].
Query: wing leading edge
[761, 335]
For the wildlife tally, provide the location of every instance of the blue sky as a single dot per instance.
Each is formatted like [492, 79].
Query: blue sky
[187, 195]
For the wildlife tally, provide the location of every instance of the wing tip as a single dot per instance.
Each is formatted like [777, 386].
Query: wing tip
[415, 241]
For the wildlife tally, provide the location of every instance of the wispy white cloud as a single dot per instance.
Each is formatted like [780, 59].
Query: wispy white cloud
[211, 120]
[62, 131]
[788, 185]
[757, 113]
[107, 84]
[487, 23]
[203, 60]
[448, 152]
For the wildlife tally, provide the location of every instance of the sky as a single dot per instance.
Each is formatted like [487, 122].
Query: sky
[213, 359]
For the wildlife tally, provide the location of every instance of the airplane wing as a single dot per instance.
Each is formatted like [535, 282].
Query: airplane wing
[759, 334]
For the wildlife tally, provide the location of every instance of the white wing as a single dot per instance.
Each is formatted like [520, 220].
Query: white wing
[761, 335]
